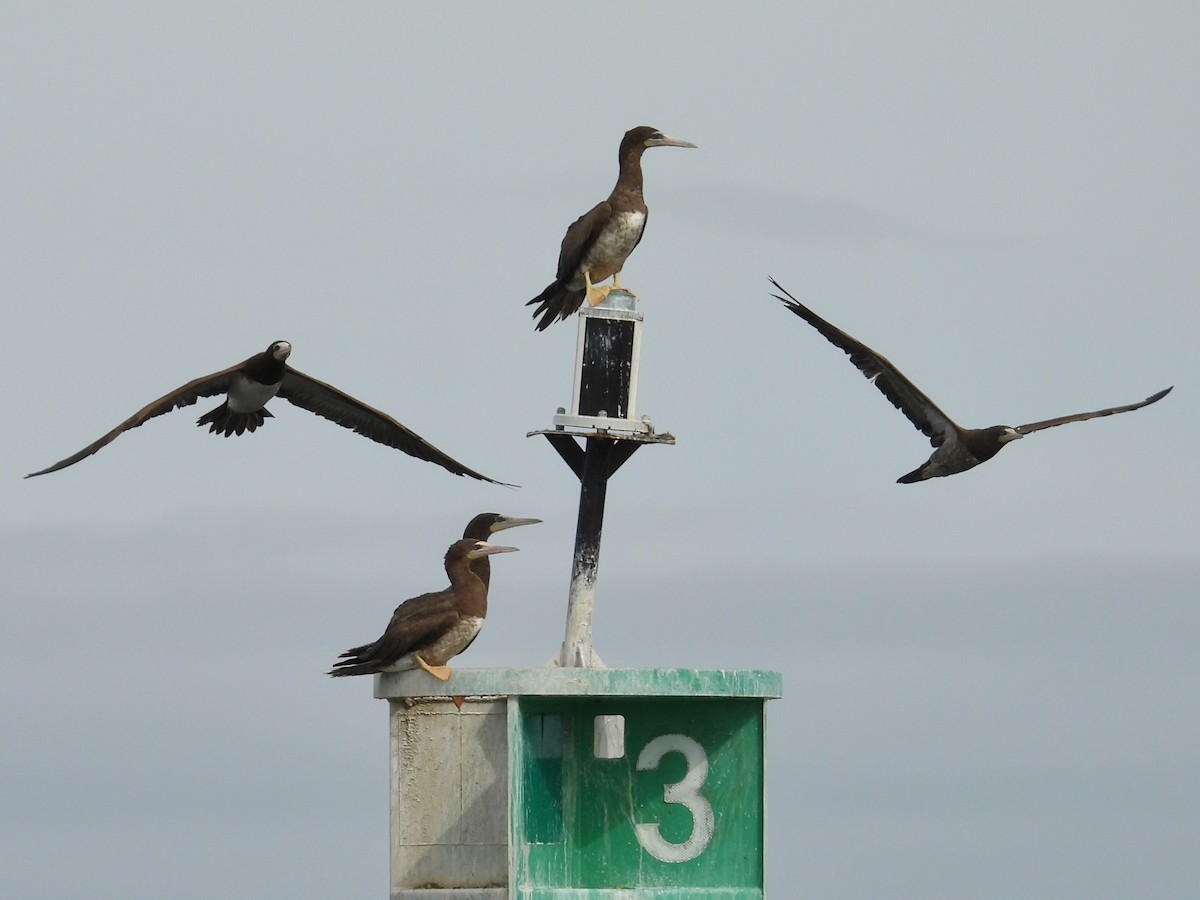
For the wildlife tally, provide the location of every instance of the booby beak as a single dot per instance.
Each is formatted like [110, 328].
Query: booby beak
[483, 548]
[512, 522]
[1010, 434]
[665, 140]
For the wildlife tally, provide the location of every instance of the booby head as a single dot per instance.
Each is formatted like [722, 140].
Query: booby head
[483, 548]
[649, 136]
[489, 523]
[1005, 433]
[280, 350]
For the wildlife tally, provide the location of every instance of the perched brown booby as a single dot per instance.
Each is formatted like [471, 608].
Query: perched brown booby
[482, 527]
[598, 243]
[958, 449]
[428, 630]
[247, 388]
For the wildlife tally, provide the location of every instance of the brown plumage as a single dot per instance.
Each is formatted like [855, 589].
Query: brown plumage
[429, 629]
[957, 448]
[598, 242]
[250, 384]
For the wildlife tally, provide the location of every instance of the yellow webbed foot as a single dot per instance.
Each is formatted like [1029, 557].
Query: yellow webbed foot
[595, 295]
[617, 286]
[598, 295]
[441, 673]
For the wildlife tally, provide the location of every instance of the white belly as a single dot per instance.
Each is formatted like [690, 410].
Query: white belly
[453, 641]
[247, 396]
[615, 243]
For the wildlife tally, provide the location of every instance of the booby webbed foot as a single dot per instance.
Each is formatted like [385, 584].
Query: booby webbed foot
[598, 295]
[595, 294]
[441, 673]
[617, 286]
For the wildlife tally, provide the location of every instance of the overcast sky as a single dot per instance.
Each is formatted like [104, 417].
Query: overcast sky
[991, 680]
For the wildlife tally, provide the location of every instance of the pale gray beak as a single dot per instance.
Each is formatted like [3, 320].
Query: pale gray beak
[512, 522]
[665, 140]
[483, 548]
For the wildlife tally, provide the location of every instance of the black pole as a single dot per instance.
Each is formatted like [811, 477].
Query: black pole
[593, 488]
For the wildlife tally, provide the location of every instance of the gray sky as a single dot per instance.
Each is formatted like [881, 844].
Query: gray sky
[991, 680]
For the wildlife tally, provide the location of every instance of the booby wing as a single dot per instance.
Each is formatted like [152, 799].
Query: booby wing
[414, 622]
[1081, 417]
[559, 300]
[903, 394]
[328, 402]
[579, 239]
[205, 386]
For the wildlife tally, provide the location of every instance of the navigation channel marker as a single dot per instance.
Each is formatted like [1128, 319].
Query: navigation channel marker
[579, 784]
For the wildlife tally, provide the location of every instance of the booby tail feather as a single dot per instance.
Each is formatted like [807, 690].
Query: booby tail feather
[223, 420]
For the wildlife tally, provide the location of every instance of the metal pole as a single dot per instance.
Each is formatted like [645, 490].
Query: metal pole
[602, 408]
[581, 601]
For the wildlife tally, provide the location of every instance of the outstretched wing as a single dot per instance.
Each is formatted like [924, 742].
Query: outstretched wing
[328, 402]
[206, 386]
[903, 394]
[1080, 417]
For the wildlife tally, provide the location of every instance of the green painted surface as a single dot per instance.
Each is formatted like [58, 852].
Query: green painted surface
[679, 813]
[659, 893]
[542, 810]
[583, 682]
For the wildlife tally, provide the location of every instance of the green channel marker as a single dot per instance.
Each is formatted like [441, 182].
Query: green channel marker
[604, 784]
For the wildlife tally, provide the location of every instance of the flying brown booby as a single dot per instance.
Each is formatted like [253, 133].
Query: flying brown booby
[428, 630]
[957, 448]
[598, 243]
[482, 527]
[247, 388]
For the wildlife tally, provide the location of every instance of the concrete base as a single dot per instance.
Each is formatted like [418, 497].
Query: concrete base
[449, 811]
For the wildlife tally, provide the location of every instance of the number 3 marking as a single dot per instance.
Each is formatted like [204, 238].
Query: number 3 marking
[685, 792]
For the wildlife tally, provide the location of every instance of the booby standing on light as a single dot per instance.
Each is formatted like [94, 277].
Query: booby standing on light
[958, 449]
[598, 243]
[247, 388]
[428, 630]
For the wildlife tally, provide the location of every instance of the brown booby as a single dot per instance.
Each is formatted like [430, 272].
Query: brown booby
[482, 527]
[598, 243]
[957, 448]
[428, 630]
[247, 388]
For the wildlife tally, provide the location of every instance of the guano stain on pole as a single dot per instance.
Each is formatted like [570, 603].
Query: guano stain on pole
[603, 416]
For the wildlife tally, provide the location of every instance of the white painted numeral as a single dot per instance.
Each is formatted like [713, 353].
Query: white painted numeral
[685, 792]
